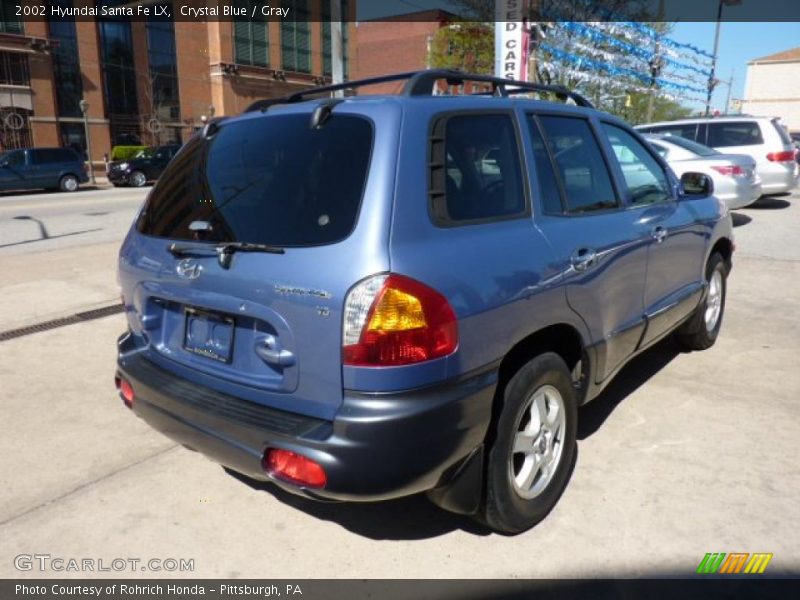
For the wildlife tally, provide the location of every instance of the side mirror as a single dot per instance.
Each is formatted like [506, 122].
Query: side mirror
[697, 185]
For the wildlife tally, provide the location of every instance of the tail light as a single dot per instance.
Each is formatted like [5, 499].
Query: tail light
[394, 320]
[783, 156]
[294, 468]
[125, 390]
[730, 170]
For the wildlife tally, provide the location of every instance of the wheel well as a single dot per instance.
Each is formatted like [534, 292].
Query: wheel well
[724, 247]
[562, 339]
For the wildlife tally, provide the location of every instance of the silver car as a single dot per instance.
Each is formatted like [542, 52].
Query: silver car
[735, 179]
[765, 139]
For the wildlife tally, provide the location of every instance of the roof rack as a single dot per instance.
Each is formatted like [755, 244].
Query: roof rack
[422, 83]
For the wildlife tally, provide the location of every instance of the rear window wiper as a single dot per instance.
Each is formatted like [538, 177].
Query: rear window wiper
[223, 250]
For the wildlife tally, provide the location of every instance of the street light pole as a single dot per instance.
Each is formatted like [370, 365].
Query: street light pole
[84, 105]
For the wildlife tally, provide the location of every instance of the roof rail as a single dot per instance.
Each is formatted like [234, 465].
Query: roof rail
[422, 83]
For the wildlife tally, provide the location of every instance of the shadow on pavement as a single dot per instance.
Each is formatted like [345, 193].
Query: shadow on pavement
[592, 416]
[415, 518]
[740, 219]
[411, 518]
[770, 203]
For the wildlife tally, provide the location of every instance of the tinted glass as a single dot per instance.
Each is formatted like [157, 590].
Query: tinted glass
[269, 180]
[662, 150]
[587, 183]
[52, 155]
[688, 130]
[691, 146]
[483, 178]
[644, 177]
[734, 133]
[14, 159]
[545, 174]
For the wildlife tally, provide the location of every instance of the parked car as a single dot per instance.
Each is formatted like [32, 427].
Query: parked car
[735, 180]
[765, 139]
[42, 168]
[369, 297]
[146, 166]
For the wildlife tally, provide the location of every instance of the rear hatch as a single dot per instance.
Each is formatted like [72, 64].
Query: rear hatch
[236, 273]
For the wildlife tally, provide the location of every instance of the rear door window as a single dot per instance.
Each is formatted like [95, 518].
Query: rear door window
[47, 156]
[581, 167]
[482, 175]
[734, 133]
[784, 135]
[270, 180]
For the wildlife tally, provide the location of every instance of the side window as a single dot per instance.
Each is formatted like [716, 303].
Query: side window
[476, 172]
[15, 159]
[548, 191]
[645, 179]
[688, 130]
[583, 172]
[734, 133]
[662, 150]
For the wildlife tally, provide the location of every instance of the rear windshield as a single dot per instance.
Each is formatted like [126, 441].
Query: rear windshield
[691, 146]
[270, 180]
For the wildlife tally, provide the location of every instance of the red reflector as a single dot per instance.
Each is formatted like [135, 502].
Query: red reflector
[293, 468]
[784, 156]
[125, 390]
[730, 170]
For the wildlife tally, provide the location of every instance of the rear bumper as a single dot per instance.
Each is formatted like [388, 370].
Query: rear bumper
[379, 446]
[739, 194]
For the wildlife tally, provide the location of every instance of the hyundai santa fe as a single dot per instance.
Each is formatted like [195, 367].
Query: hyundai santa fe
[369, 297]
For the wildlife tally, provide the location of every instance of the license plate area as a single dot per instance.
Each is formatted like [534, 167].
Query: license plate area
[208, 334]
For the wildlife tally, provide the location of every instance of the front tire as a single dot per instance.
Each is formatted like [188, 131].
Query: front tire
[531, 457]
[138, 179]
[68, 183]
[701, 330]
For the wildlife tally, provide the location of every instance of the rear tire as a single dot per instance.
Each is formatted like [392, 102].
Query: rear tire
[701, 330]
[68, 183]
[529, 461]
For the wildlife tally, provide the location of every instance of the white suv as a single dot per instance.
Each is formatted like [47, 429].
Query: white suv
[763, 138]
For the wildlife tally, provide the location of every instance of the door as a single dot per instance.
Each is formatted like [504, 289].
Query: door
[13, 171]
[676, 247]
[601, 248]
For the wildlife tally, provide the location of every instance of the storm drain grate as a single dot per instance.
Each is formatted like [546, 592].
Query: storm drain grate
[89, 315]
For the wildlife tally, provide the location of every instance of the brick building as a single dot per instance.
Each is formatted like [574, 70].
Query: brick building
[151, 81]
[393, 45]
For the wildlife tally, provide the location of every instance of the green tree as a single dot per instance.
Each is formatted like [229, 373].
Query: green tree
[468, 46]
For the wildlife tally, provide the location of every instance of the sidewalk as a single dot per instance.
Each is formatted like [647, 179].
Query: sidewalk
[41, 286]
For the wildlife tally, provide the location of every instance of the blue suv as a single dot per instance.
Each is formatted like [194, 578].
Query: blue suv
[363, 298]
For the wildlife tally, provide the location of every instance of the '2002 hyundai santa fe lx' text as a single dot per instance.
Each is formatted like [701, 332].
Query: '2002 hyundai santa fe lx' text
[369, 297]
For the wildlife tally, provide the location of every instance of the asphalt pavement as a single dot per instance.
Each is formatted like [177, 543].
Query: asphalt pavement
[684, 454]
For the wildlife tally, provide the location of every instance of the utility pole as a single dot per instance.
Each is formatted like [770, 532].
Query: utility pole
[712, 80]
[728, 99]
[337, 44]
[656, 65]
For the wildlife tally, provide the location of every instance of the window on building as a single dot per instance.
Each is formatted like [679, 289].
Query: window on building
[14, 69]
[296, 37]
[327, 68]
[163, 68]
[66, 65]
[73, 135]
[9, 22]
[251, 37]
[119, 80]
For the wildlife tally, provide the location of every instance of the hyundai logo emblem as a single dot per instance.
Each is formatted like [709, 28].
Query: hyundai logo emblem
[188, 269]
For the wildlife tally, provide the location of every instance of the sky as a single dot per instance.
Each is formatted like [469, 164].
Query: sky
[739, 42]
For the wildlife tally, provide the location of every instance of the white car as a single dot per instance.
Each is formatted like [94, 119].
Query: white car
[735, 180]
[765, 139]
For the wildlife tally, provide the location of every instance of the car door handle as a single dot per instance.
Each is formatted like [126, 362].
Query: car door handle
[583, 259]
[659, 234]
[269, 353]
